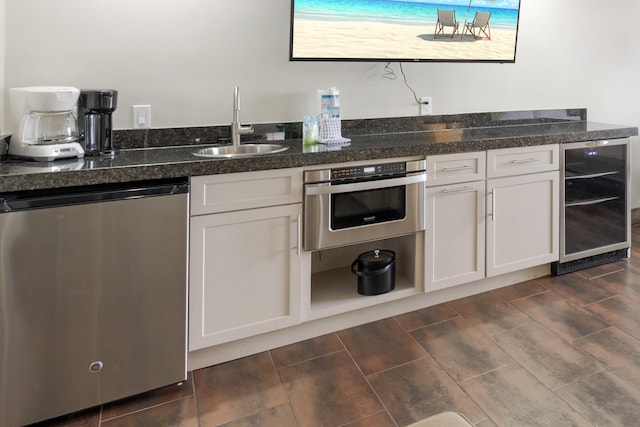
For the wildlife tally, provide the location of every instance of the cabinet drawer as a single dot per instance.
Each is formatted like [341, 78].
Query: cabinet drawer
[245, 190]
[522, 160]
[453, 168]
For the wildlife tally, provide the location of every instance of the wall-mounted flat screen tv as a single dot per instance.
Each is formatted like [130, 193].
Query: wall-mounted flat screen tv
[404, 30]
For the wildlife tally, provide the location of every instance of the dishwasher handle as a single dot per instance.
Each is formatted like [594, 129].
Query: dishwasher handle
[41, 199]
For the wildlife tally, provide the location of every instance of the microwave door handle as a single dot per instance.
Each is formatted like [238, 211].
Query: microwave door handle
[314, 189]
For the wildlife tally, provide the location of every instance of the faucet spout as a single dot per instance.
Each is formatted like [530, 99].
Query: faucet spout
[237, 128]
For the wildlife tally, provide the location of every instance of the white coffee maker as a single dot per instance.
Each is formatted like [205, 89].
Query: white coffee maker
[44, 124]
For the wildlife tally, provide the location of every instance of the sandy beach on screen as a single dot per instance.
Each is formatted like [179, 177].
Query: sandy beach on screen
[364, 39]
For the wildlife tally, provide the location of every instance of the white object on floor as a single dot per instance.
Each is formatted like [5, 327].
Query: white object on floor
[443, 419]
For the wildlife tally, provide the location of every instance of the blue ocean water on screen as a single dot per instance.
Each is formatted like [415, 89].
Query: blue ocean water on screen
[397, 11]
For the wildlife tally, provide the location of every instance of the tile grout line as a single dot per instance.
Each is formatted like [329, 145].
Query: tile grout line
[137, 411]
[430, 356]
[425, 326]
[368, 382]
[308, 360]
[286, 393]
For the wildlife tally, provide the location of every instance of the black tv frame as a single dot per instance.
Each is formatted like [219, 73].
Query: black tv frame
[400, 58]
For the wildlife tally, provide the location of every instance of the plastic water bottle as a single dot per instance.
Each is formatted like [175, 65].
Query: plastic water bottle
[330, 103]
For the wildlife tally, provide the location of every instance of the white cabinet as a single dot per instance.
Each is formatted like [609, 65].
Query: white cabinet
[522, 208]
[522, 226]
[245, 262]
[479, 229]
[455, 238]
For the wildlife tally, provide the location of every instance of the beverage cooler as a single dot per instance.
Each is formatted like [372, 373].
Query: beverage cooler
[595, 224]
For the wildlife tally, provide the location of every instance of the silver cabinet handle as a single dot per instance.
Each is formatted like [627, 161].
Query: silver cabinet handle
[299, 234]
[493, 205]
[457, 168]
[531, 160]
[457, 189]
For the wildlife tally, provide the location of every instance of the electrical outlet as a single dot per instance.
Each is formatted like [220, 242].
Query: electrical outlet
[141, 116]
[425, 106]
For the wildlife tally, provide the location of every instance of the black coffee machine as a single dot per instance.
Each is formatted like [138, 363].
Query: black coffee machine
[95, 126]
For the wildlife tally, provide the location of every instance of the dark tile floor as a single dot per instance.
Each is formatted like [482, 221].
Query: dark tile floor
[549, 352]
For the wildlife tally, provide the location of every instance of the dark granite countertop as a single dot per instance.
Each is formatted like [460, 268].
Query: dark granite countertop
[175, 160]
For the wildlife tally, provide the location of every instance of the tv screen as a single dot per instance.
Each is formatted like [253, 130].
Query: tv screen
[404, 31]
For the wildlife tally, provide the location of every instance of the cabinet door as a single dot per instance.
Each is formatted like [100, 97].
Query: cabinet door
[522, 222]
[455, 234]
[245, 274]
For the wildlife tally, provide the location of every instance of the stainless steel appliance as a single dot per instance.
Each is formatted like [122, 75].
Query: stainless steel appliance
[93, 296]
[95, 124]
[595, 225]
[355, 203]
[44, 125]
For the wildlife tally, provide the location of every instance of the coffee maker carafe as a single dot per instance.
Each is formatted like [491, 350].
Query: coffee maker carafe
[95, 124]
[44, 126]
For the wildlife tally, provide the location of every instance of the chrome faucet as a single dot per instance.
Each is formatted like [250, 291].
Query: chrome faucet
[236, 128]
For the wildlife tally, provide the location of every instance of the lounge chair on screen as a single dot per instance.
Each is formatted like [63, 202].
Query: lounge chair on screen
[481, 24]
[446, 18]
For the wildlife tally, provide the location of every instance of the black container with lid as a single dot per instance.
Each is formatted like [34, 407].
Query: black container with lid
[376, 271]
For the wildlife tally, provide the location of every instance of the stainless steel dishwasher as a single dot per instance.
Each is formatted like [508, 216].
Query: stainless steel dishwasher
[92, 296]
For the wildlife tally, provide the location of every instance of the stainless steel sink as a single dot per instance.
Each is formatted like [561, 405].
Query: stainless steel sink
[244, 150]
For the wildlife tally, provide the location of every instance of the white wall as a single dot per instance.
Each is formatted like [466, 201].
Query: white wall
[184, 57]
[2, 66]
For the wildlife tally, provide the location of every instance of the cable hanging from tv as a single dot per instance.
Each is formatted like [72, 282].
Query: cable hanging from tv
[391, 75]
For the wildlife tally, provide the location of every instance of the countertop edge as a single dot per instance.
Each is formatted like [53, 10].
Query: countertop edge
[371, 147]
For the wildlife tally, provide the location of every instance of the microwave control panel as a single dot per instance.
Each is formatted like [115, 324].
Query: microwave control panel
[367, 171]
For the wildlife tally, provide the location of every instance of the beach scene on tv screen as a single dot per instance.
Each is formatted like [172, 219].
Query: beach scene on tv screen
[440, 30]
